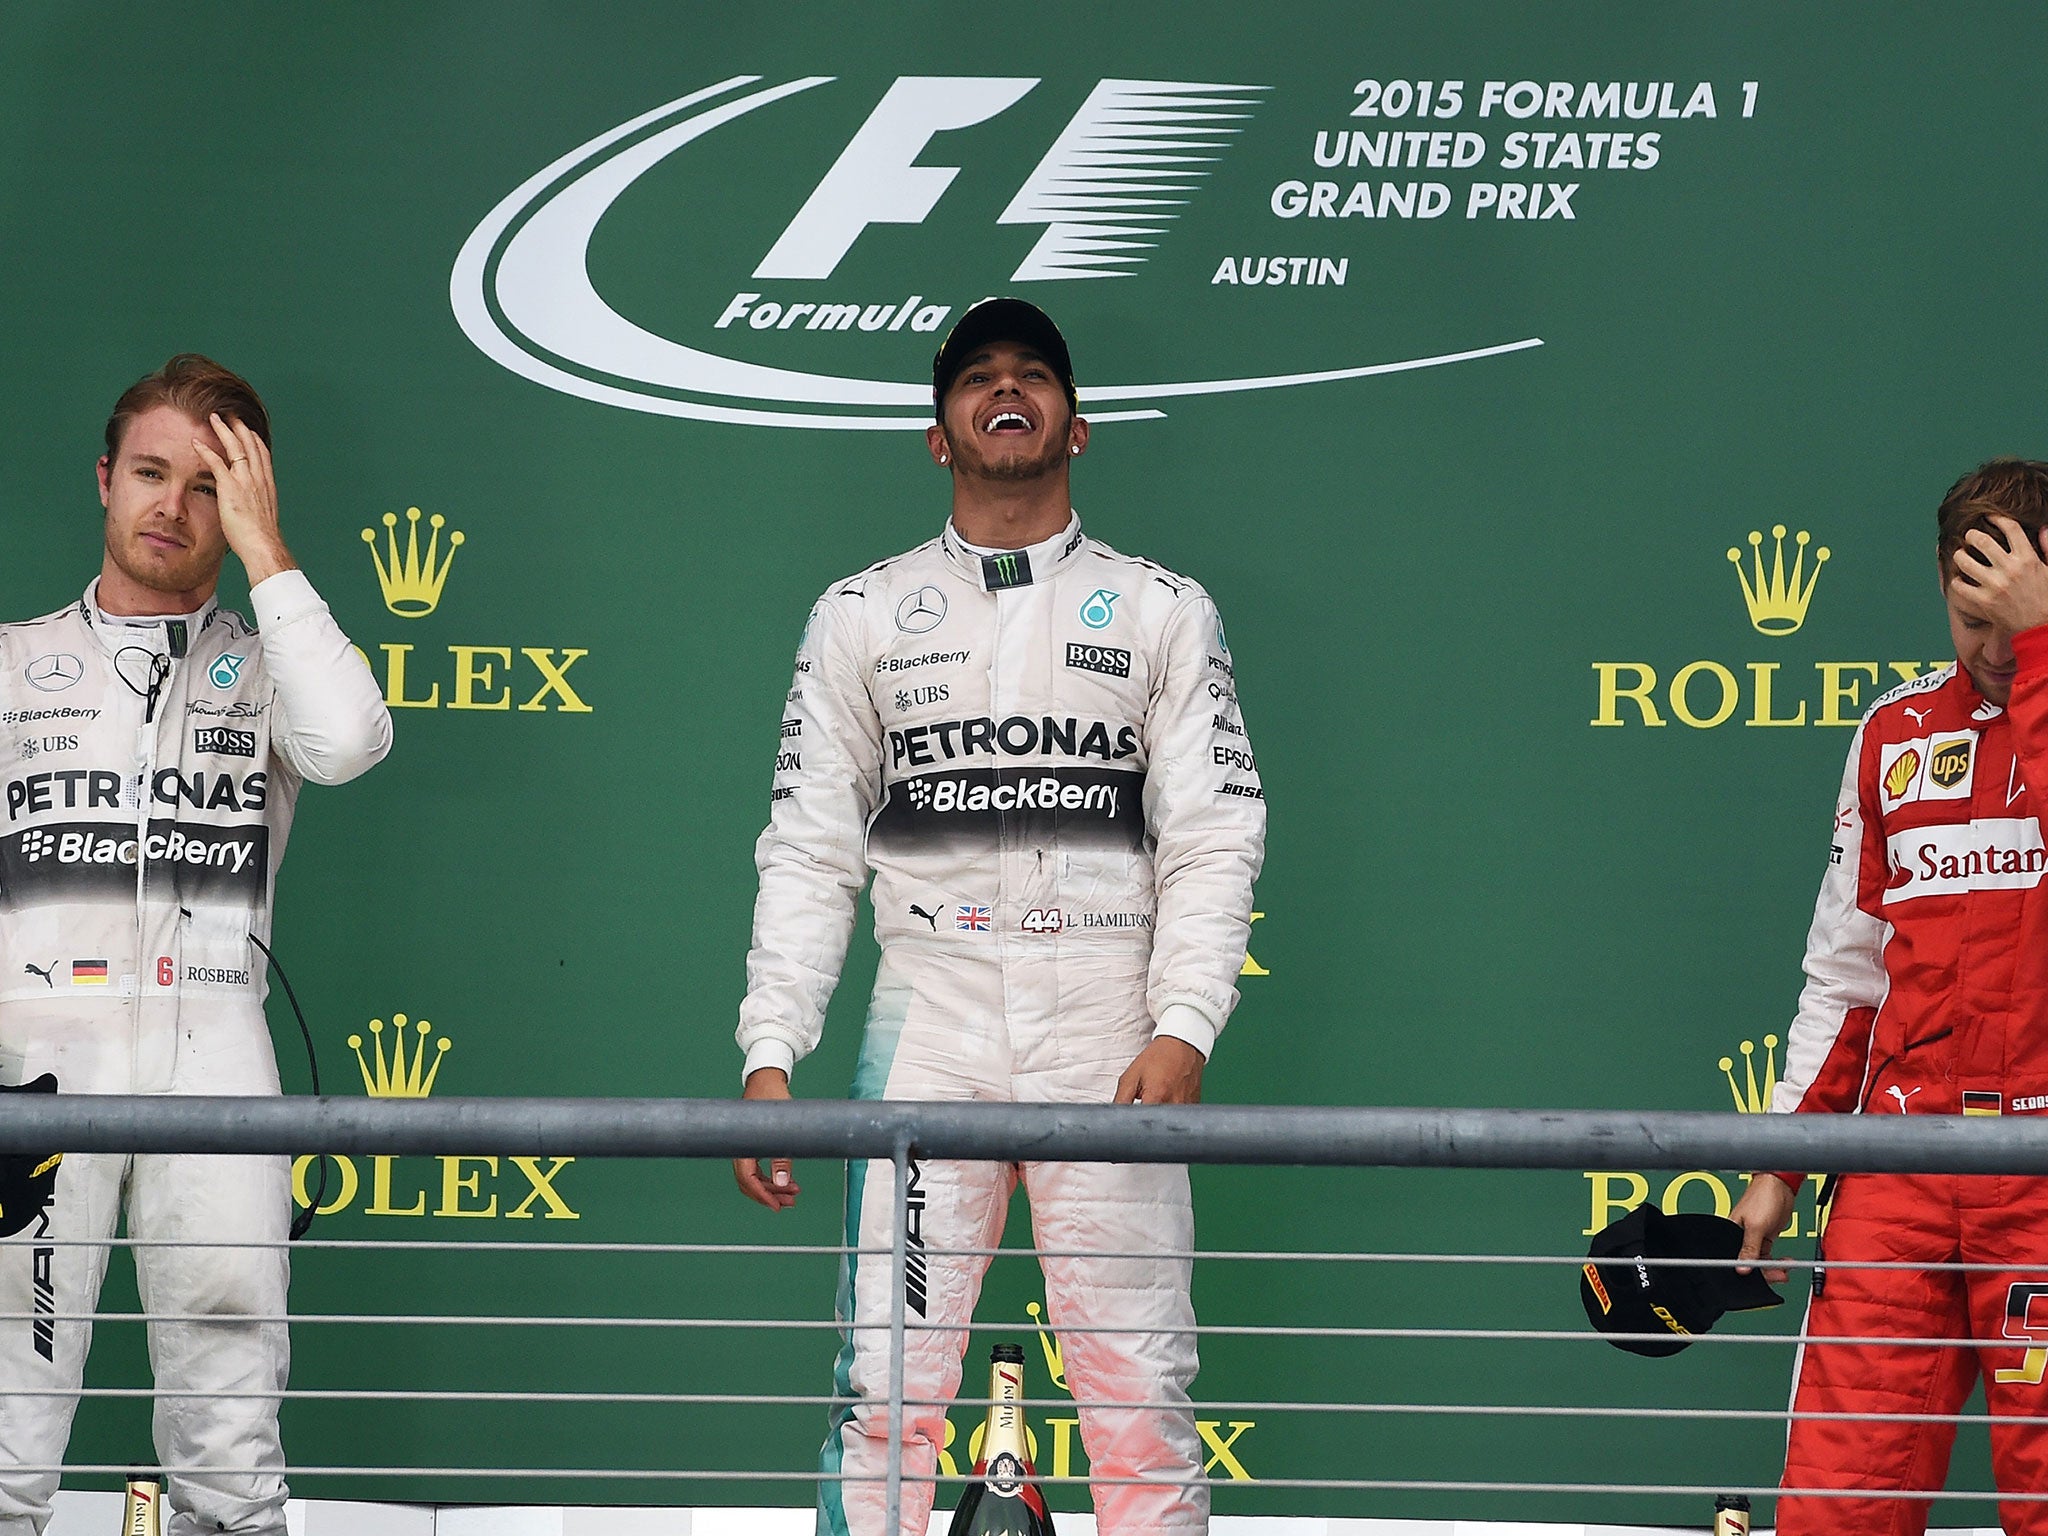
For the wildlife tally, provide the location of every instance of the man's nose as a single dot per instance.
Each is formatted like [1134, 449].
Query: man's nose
[1998, 649]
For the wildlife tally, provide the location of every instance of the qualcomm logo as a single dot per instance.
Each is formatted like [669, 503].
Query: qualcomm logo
[1103, 194]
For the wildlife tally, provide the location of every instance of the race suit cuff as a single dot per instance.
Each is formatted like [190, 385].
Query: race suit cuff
[279, 599]
[2030, 648]
[768, 1053]
[1793, 1181]
[1184, 1021]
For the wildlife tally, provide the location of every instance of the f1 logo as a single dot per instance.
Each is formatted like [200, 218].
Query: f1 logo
[2026, 1318]
[1121, 161]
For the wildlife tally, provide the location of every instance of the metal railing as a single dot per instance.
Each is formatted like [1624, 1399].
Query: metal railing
[898, 1132]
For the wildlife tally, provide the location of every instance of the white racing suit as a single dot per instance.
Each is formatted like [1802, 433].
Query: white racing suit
[1040, 756]
[150, 768]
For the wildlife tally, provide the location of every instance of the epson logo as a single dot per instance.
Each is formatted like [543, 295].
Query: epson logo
[1017, 736]
[224, 741]
[1234, 757]
[1106, 659]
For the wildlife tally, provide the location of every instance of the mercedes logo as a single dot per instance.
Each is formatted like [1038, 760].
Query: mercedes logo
[921, 612]
[53, 674]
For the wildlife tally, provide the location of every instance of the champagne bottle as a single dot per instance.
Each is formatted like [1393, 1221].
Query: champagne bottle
[145, 1512]
[1002, 1499]
[1731, 1515]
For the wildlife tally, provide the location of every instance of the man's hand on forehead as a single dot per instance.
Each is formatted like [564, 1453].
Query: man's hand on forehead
[2002, 584]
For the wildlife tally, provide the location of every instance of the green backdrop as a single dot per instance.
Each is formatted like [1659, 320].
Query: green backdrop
[1489, 882]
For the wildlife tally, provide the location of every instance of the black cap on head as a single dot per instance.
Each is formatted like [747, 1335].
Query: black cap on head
[1013, 320]
[1625, 1292]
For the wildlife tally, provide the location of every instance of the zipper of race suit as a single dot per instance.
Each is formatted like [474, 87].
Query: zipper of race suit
[160, 667]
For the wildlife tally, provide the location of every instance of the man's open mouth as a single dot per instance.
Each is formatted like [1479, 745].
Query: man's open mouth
[1007, 421]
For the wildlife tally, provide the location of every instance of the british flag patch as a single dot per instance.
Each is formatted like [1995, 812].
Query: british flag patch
[972, 919]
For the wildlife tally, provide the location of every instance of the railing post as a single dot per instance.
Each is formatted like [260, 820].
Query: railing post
[899, 1284]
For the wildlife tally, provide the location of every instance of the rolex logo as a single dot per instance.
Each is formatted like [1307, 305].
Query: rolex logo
[1777, 599]
[1751, 1096]
[411, 581]
[398, 1076]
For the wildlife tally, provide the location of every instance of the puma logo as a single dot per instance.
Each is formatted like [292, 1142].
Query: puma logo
[1919, 715]
[1901, 1096]
[37, 970]
[930, 917]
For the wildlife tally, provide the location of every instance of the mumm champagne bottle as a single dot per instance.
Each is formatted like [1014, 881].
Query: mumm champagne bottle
[145, 1512]
[1003, 1498]
[1731, 1515]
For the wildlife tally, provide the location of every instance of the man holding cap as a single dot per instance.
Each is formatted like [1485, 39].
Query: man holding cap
[1033, 744]
[1927, 994]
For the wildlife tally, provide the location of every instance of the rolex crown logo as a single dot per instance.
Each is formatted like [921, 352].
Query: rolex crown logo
[1048, 1342]
[398, 1076]
[411, 581]
[1777, 600]
[1751, 1096]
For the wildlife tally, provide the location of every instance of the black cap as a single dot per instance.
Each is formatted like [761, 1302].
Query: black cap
[1015, 320]
[1624, 1292]
[1007, 1354]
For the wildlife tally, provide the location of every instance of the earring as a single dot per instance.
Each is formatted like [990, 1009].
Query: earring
[942, 458]
[1075, 449]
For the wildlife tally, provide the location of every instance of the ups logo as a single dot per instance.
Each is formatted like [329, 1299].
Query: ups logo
[1950, 763]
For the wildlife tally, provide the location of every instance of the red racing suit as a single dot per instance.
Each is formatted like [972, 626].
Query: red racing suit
[1927, 993]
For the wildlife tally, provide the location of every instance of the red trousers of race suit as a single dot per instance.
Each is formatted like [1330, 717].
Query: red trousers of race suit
[1922, 1219]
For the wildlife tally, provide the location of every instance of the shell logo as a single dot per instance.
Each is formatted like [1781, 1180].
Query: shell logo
[1900, 778]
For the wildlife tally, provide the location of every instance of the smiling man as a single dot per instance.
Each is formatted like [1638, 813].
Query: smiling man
[1927, 994]
[153, 750]
[1033, 744]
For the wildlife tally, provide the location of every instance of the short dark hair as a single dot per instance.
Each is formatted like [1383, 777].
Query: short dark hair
[2014, 488]
[195, 385]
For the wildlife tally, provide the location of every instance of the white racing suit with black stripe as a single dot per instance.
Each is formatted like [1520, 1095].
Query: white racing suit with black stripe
[150, 769]
[1039, 755]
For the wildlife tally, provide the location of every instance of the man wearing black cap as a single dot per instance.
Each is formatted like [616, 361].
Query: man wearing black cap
[1033, 743]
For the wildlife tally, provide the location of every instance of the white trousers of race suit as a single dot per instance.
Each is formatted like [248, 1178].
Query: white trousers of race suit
[943, 1028]
[236, 1363]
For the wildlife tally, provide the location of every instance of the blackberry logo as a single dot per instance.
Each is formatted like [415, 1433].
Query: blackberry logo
[920, 793]
[37, 845]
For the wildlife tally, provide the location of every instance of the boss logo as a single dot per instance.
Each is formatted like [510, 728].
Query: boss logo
[224, 741]
[1106, 659]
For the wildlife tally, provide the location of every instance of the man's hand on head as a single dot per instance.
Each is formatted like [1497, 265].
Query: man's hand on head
[2004, 585]
[246, 488]
[774, 1185]
[1168, 1071]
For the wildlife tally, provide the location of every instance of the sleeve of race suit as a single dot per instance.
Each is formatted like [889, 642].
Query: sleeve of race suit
[1828, 1047]
[1206, 812]
[331, 723]
[813, 855]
